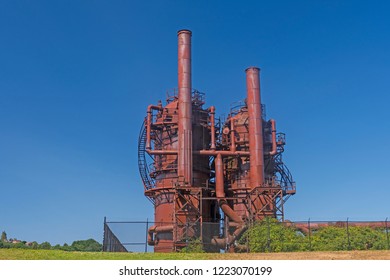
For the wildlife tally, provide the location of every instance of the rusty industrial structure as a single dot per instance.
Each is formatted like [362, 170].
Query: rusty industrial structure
[209, 179]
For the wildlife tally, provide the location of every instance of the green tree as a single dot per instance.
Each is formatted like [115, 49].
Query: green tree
[34, 245]
[45, 245]
[4, 244]
[66, 247]
[89, 245]
[4, 236]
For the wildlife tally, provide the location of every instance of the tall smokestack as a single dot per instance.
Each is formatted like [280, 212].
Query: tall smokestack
[185, 106]
[255, 127]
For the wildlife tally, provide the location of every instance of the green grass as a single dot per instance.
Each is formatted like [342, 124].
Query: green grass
[29, 254]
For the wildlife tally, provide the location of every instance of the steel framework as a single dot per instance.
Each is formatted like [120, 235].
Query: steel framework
[198, 170]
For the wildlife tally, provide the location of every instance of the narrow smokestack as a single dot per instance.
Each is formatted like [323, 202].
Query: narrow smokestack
[255, 127]
[185, 106]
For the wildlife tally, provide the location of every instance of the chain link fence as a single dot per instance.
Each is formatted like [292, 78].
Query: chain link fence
[268, 235]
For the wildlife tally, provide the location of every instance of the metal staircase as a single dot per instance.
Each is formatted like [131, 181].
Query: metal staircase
[149, 183]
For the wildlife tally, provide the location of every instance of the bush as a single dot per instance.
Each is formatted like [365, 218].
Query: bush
[19, 245]
[365, 238]
[329, 238]
[269, 235]
[193, 246]
[333, 238]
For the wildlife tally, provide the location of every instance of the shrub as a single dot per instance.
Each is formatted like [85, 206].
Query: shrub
[193, 246]
[269, 235]
[329, 238]
[334, 238]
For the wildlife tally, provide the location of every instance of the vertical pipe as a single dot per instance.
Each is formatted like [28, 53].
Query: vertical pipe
[212, 121]
[274, 146]
[220, 192]
[255, 127]
[149, 121]
[232, 136]
[219, 186]
[148, 129]
[185, 106]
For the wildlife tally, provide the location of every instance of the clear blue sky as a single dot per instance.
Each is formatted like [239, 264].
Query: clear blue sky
[76, 78]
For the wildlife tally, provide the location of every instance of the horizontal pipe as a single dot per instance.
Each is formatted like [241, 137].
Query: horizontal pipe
[164, 123]
[304, 227]
[219, 242]
[161, 152]
[155, 229]
[163, 228]
[200, 152]
[222, 153]
[154, 107]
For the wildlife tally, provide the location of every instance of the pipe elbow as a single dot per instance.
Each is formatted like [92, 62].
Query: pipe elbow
[151, 240]
[154, 107]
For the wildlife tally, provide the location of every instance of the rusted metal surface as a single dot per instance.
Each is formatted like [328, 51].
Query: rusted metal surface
[185, 106]
[255, 127]
[204, 171]
[274, 144]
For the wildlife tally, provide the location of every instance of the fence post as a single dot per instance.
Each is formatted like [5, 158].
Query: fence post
[308, 225]
[247, 237]
[104, 234]
[186, 236]
[268, 235]
[387, 235]
[146, 236]
[349, 241]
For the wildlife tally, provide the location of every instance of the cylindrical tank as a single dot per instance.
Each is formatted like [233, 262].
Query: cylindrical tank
[165, 130]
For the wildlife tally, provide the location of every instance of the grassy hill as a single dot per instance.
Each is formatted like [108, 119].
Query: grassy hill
[23, 254]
